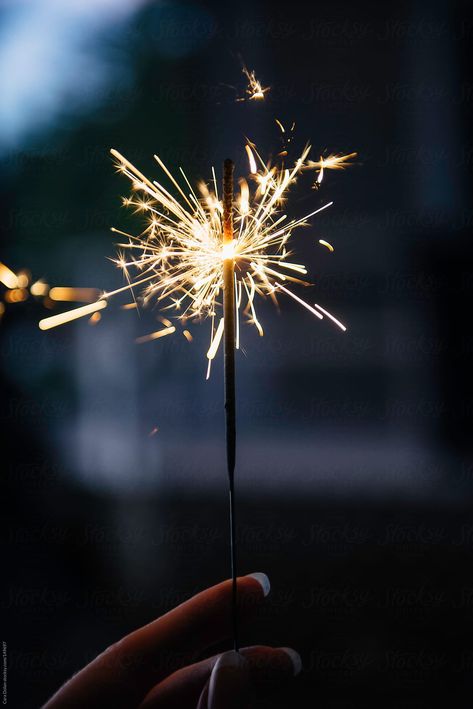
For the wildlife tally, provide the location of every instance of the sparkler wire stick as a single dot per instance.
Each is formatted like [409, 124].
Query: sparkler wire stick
[229, 307]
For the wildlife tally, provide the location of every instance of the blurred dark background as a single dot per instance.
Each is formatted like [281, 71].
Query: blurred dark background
[355, 458]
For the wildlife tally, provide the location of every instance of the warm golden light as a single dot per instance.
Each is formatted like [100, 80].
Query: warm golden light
[62, 318]
[74, 295]
[16, 295]
[156, 335]
[327, 245]
[7, 277]
[251, 160]
[95, 318]
[39, 289]
[177, 260]
[214, 345]
[23, 279]
[178, 257]
[228, 250]
[331, 317]
[254, 90]
[332, 162]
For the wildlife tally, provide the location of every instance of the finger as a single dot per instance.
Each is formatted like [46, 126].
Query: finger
[268, 667]
[229, 685]
[123, 674]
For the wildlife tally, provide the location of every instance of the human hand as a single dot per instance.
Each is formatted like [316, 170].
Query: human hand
[152, 668]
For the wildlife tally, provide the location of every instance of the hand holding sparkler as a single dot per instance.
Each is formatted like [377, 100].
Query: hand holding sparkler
[154, 667]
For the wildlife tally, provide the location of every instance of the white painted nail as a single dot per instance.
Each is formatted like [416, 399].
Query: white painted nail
[230, 659]
[295, 659]
[229, 681]
[263, 581]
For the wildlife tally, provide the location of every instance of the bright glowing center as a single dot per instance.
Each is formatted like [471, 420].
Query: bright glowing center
[228, 250]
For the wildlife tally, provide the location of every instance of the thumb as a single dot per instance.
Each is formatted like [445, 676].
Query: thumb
[228, 686]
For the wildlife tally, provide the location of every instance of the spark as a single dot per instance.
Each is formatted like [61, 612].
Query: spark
[156, 335]
[254, 90]
[286, 137]
[332, 162]
[327, 244]
[331, 317]
[251, 160]
[281, 127]
[76, 295]
[8, 277]
[23, 279]
[62, 318]
[39, 288]
[301, 302]
[214, 345]
[16, 295]
[244, 205]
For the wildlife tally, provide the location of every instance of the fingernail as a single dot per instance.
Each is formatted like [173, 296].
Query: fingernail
[295, 659]
[263, 581]
[230, 659]
[228, 683]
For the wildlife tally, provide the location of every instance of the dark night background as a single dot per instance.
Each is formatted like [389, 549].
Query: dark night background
[355, 470]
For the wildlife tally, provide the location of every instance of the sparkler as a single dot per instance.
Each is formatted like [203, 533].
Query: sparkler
[229, 307]
[179, 258]
[197, 246]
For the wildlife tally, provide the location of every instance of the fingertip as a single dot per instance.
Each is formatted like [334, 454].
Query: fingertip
[252, 590]
[272, 665]
[295, 659]
[228, 685]
[262, 580]
[231, 659]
